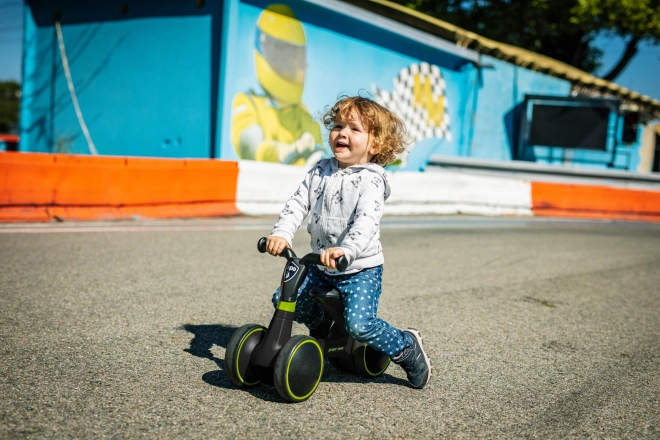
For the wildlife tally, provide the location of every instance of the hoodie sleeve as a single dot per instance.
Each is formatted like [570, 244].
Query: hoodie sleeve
[366, 222]
[294, 212]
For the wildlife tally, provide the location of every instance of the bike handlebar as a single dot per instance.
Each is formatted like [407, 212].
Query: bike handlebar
[311, 258]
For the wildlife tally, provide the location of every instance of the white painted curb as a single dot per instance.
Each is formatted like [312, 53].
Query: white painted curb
[263, 188]
[451, 192]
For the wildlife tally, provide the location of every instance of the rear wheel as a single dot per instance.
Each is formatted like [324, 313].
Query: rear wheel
[368, 361]
[298, 368]
[238, 353]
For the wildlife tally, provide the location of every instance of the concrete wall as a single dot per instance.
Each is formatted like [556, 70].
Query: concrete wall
[44, 187]
[143, 79]
[501, 91]
[161, 79]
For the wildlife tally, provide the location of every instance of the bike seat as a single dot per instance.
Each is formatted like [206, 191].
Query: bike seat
[327, 295]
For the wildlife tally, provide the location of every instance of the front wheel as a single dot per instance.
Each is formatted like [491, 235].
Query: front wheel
[238, 353]
[298, 368]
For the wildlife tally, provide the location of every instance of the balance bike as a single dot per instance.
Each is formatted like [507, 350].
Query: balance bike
[294, 365]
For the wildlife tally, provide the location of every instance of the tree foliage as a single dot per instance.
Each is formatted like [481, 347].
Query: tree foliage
[10, 96]
[635, 20]
[561, 29]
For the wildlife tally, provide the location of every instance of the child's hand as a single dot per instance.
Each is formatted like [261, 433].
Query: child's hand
[329, 256]
[275, 245]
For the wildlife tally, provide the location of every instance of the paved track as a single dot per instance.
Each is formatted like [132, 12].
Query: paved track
[535, 329]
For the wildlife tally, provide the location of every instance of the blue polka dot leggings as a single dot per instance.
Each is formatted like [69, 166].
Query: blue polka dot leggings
[360, 292]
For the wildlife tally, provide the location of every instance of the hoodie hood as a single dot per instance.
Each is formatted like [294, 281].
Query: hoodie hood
[334, 164]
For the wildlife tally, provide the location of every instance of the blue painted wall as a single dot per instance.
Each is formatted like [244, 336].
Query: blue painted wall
[161, 79]
[143, 79]
[501, 91]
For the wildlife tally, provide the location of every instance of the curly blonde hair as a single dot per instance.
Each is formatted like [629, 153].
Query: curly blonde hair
[387, 132]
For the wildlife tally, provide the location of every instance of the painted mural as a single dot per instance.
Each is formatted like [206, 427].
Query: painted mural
[249, 80]
[419, 100]
[272, 124]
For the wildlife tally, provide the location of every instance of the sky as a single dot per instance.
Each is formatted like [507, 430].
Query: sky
[641, 75]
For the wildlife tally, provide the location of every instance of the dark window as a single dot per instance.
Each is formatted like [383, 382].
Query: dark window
[656, 156]
[630, 122]
[569, 126]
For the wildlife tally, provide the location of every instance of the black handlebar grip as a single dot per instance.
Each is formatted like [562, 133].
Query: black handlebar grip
[261, 245]
[342, 263]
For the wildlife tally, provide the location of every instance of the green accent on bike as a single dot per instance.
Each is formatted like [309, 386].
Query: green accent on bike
[288, 366]
[286, 306]
[364, 361]
[238, 372]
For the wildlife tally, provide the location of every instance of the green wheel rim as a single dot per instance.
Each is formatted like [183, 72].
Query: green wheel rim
[238, 352]
[318, 380]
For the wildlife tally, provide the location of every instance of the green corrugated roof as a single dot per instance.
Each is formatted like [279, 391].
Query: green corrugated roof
[512, 54]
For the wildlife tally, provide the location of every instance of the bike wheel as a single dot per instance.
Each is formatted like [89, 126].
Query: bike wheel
[298, 368]
[368, 361]
[238, 353]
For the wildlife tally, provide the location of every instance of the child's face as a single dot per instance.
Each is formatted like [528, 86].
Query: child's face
[350, 141]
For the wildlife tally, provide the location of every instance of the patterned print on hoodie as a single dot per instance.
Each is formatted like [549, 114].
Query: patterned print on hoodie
[346, 208]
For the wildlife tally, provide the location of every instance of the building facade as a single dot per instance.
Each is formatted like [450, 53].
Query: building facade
[251, 79]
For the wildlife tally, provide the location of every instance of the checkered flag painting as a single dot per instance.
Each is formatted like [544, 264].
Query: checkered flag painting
[419, 100]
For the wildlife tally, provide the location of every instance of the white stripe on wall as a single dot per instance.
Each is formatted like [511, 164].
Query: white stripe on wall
[453, 192]
[263, 188]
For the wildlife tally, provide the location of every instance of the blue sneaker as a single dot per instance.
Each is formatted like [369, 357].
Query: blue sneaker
[414, 361]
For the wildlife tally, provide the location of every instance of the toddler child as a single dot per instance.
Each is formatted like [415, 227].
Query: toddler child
[345, 196]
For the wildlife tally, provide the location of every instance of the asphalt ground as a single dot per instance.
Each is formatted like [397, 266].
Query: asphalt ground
[536, 329]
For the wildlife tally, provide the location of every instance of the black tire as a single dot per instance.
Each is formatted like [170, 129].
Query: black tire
[369, 362]
[238, 353]
[298, 368]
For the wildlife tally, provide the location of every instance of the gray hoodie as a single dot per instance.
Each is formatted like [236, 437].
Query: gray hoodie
[346, 206]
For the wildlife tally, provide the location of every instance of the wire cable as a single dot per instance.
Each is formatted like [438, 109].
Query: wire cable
[72, 90]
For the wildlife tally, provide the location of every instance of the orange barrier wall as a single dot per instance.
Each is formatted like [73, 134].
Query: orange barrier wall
[594, 202]
[41, 187]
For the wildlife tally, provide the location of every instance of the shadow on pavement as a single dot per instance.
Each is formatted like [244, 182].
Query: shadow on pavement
[207, 335]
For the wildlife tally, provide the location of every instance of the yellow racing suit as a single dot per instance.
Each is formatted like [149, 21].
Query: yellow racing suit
[264, 131]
